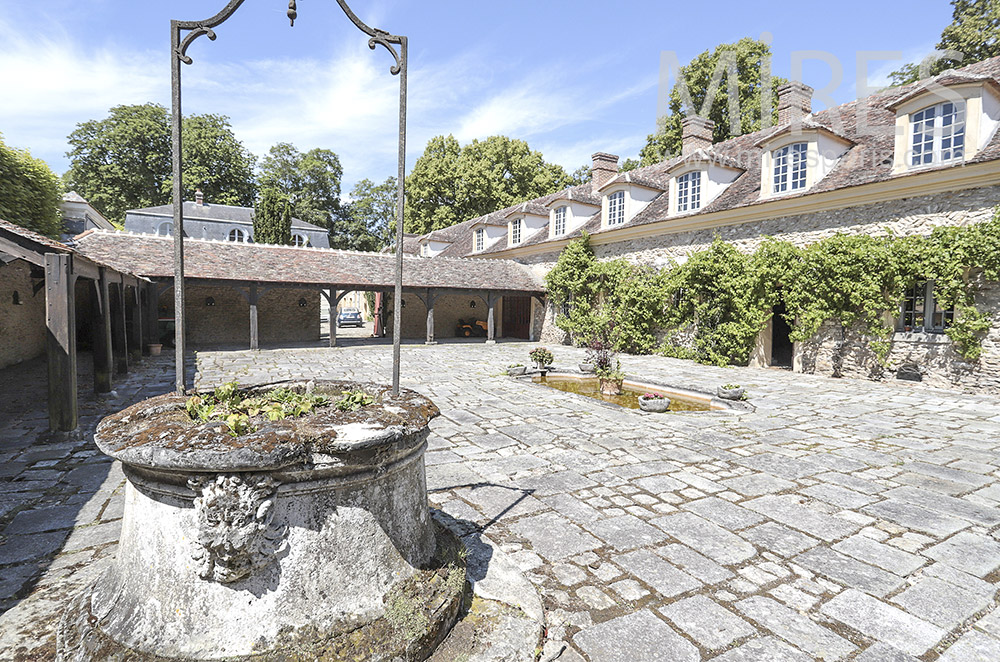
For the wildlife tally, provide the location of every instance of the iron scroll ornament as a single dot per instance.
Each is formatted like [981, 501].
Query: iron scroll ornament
[179, 55]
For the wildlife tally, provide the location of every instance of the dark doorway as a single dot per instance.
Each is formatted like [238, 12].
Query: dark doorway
[517, 317]
[781, 344]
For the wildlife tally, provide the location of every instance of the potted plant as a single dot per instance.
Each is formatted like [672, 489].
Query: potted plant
[516, 369]
[731, 392]
[611, 380]
[656, 402]
[541, 356]
[599, 356]
[154, 348]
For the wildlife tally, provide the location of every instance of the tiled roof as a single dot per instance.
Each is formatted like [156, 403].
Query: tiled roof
[35, 237]
[648, 177]
[152, 256]
[529, 208]
[869, 159]
[213, 212]
[73, 196]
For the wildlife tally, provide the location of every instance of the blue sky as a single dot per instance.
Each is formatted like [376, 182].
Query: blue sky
[570, 78]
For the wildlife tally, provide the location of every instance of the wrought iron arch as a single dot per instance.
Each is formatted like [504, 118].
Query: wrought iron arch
[182, 35]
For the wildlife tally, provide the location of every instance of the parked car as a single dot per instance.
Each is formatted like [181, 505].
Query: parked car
[349, 317]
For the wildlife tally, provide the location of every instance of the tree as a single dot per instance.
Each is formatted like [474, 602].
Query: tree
[374, 207]
[450, 184]
[272, 219]
[123, 161]
[311, 181]
[974, 32]
[748, 56]
[30, 192]
[581, 175]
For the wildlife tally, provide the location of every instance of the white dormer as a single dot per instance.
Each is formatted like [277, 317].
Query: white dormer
[570, 212]
[797, 157]
[525, 220]
[947, 120]
[485, 234]
[698, 179]
[624, 197]
[432, 247]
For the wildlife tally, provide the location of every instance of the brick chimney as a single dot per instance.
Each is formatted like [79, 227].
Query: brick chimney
[696, 133]
[794, 102]
[604, 170]
[199, 197]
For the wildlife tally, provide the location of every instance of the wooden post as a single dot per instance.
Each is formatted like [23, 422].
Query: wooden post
[134, 326]
[254, 341]
[60, 343]
[332, 301]
[152, 316]
[102, 334]
[119, 346]
[491, 304]
[430, 317]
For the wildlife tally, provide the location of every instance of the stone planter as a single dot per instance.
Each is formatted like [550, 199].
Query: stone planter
[658, 405]
[516, 370]
[611, 386]
[587, 368]
[541, 367]
[154, 349]
[276, 541]
[730, 393]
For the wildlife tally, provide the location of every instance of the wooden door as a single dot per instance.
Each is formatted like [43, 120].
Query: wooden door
[516, 317]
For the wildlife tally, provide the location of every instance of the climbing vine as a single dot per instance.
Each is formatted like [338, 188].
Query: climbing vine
[713, 306]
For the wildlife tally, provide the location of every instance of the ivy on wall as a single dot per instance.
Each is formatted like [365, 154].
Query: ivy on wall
[714, 305]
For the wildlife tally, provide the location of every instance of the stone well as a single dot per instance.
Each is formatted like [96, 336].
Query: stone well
[235, 546]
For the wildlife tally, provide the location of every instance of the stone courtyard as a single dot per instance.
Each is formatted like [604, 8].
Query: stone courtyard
[840, 520]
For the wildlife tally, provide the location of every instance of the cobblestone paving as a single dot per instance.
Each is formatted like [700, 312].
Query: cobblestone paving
[841, 520]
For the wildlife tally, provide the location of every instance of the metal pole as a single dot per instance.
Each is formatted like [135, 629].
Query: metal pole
[400, 195]
[178, 199]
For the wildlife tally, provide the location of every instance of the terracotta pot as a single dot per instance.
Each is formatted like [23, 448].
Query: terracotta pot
[611, 386]
[154, 349]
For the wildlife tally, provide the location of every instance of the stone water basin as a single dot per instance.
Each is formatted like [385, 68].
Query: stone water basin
[681, 400]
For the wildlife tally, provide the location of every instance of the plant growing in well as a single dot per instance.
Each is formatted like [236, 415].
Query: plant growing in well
[541, 356]
[353, 400]
[228, 405]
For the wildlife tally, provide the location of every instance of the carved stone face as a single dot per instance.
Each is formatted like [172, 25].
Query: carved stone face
[235, 532]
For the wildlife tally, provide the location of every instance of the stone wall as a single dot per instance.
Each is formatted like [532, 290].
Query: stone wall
[227, 322]
[939, 363]
[448, 309]
[22, 325]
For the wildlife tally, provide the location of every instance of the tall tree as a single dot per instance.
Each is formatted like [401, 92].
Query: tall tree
[30, 192]
[450, 184]
[974, 31]
[581, 175]
[123, 161]
[374, 207]
[272, 219]
[310, 180]
[751, 58]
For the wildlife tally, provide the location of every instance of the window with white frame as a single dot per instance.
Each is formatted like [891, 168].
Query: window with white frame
[616, 208]
[165, 229]
[300, 240]
[480, 239]
[689, 191]
[789, 163]
[921, 312]
[423, 249]
[559, 221]
[515, 231]
[937, 134]
[237, 234]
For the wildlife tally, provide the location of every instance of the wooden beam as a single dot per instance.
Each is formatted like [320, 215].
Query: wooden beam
[101, 319]
[491, 303]
[133, 323]
[60, 344]
[152, 316]
[429, 303]
[119, 343]
[254, 341]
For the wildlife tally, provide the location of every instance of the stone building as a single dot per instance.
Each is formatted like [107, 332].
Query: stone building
[221, 222]
[903, 161]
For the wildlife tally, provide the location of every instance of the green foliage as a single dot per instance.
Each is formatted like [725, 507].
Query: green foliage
[310, 181]
[974, 31]
[353, 400]
[227, 404]
[123, 161]
[541, 356]
[722, 298]
[610, 374]
[748, 55]
[272, 219]
[30, 192]
[450, 183]
[370, 217]
[581, 175]
[630, 164]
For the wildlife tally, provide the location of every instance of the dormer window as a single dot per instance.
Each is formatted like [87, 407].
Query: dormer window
[238, 235]
[559, 221]
[165, 229]
[423, 250]
[616, 208]
[480, 239]
[938, 134]
[790, 167]
[689, 191]
[300, 240]
[515, 231]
